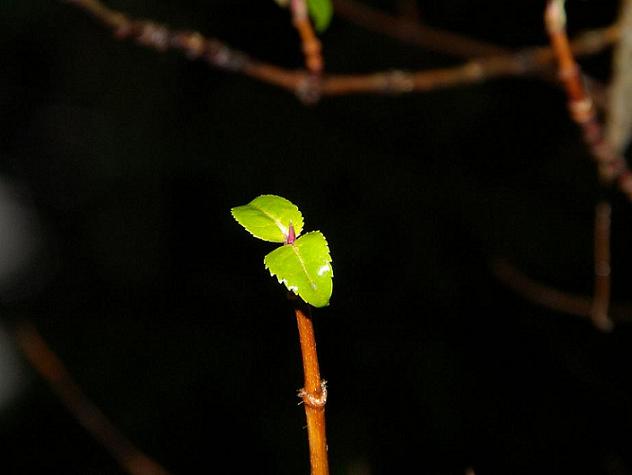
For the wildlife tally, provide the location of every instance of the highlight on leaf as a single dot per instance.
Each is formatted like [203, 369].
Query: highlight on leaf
[304, 267]
[268, 217]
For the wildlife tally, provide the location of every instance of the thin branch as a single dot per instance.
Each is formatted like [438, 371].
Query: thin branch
[310, 42]
[408, 9]
[601, 299]
[619, 118]
[51, 368]
[302, 83]
[410, 31]
[611, 165]
[553, 299]
[314, 393]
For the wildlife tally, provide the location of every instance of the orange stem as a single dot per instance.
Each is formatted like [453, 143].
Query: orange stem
[314, 393]
[311, 44]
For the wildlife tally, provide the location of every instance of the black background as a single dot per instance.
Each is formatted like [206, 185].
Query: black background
[158, 301]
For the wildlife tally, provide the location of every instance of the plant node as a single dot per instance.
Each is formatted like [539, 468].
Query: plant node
[314, 400]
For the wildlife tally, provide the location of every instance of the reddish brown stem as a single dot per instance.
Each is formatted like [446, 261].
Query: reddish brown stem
[409, 10]
[302, 83]
[611, 165]
[50, 367]
[310, 42]
[601, 299]
[411, 31]
[619, 118]
[554, 299]
[314, 393]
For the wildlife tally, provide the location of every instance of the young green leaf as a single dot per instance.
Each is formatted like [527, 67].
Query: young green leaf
[304, 267]
[268, 217]
[321, 12]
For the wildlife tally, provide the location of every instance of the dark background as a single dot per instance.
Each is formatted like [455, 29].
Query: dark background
[159, 304]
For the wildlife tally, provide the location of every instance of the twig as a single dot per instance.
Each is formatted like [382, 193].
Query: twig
[553, 299]
[409, 9]
[301, 82]
[50, 367]
[314, 393]
[619, 118]
[611, 165]
[601, 298]
[410, 31]
[311, 44]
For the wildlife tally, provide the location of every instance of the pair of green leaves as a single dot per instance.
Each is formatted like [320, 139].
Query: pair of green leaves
[320, 11]
[303, 263]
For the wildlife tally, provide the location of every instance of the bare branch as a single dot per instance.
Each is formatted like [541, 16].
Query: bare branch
[302, 83]
[619, 118]
[601, 299]
[407, 29]
[412, 32]
[553, 299]
[611, 165]
[50, 367]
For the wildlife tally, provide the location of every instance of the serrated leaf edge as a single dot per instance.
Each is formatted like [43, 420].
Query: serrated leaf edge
[293, 288]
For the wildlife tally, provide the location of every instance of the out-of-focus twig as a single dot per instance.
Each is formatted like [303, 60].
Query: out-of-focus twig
[619, 117]
[611, 165]
[410, 31]
[409, 10]
[309, 41]
[301, 82]
[50, 367]
[601, 295]
[553, 299]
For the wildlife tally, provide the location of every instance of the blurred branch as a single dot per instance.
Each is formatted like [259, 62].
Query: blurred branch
[601, 295]
[611, 165]
[553, 299]
[406, 29]
[304, 85]
[50, 367]
[619, 118]
[309, 41]
[409, 9]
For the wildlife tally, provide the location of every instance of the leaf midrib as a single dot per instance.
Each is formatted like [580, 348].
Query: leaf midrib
[276, 220]
[300, 259]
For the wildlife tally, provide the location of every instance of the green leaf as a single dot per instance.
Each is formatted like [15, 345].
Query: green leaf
[268, 217]
[321, 12]
[304, 267]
